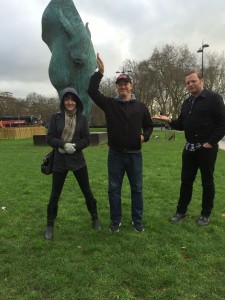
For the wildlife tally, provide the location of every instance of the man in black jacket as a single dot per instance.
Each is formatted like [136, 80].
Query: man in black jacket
[128, 125]
[202, 118]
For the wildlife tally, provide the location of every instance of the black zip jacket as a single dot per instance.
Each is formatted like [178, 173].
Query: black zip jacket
[204, 120]
[125, 119]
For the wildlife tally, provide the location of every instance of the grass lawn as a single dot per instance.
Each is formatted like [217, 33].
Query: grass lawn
[167, 261]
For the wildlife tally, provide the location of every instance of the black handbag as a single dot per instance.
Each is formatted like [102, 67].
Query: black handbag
[46, 166]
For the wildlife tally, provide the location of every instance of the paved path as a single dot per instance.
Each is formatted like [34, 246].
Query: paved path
[222, 144]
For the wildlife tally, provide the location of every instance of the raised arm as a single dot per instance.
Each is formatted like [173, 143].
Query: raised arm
[100, 64]
[93, 88]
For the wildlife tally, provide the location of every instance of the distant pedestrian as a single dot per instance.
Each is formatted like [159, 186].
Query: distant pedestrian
[128, 125]
[68, 134]
[202, 118]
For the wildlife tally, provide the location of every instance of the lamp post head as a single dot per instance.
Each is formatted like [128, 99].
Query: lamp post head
[124, 71]
[201, 49]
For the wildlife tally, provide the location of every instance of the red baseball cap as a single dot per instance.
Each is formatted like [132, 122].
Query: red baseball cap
[123, 77]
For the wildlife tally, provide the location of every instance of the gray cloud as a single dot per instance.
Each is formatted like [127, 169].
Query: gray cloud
[130, 29]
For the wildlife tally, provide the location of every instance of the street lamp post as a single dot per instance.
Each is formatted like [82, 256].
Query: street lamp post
[201, 50]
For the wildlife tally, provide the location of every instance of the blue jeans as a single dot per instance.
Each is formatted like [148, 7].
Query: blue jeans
[120, 163]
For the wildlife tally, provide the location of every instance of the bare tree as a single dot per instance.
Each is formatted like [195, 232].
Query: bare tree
[41, 106]
[170, 64]
[215, 72]
[10, 106]
[108, 87]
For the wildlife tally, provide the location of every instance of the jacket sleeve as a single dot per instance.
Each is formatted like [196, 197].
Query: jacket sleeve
[52, 137]
[147, 125]
[177, 124]
[218, 114]
[84, 138]
[93, 90]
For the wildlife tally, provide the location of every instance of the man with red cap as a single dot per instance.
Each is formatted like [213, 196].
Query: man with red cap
[128, 125]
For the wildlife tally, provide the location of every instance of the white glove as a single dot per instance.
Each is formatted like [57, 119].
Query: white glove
[62, 151]
[70, 148]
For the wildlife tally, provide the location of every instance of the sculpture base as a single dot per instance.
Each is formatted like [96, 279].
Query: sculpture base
[40, 140]
[96, 138]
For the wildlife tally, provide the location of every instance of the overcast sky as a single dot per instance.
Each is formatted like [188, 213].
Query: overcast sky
[127, 29]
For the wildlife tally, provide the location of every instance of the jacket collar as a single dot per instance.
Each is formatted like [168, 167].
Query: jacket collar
[203, 94]
[118, 98]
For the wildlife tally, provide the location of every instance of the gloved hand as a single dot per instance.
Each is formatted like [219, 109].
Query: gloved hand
[62, 151]
[70, 148]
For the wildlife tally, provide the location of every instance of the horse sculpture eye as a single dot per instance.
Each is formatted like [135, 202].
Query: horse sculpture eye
[78, 63]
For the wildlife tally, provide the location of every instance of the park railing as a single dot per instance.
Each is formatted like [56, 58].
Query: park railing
[22, 132]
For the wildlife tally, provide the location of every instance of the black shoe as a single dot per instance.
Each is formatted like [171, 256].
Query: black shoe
[114, 227]
[203, 221]
[49, 232]
[96, 225]
[138, 226]
[178, 217]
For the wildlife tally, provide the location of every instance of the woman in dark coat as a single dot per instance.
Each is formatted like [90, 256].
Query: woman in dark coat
[68, 134]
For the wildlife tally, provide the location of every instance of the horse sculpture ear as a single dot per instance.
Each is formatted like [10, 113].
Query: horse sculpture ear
[65, 23]
[88, 30]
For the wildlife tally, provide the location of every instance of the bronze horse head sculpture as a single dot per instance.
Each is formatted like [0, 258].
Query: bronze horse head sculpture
[73, 59]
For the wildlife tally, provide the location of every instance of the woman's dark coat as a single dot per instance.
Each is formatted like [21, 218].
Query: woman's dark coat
[81, 137]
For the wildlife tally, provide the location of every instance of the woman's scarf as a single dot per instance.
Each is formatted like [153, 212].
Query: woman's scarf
[69, 128]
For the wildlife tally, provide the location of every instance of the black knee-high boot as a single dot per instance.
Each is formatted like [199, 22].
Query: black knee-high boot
[92, 208]
[51, 215]
[49, 231]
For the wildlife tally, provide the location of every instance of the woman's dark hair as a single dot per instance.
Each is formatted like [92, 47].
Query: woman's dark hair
[70, 95]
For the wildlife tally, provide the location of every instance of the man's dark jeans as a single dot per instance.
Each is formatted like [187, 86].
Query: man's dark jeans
[203, 159]
[120, 163]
